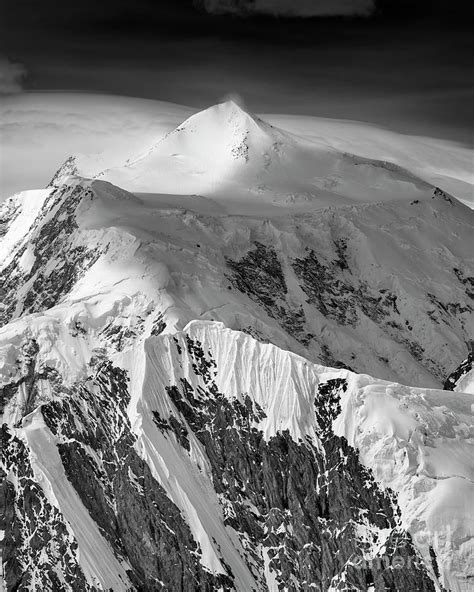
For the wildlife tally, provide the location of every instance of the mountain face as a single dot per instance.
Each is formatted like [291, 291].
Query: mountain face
[187, 393]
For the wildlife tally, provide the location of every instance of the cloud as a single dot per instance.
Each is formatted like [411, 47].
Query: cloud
[299, 8]
[11, 77]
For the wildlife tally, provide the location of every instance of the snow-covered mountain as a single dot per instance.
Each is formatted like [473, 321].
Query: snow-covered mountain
[201, 400]
[247, 164]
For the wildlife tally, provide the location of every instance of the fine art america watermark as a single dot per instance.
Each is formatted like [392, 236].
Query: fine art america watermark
[397, 559]
[384, 562]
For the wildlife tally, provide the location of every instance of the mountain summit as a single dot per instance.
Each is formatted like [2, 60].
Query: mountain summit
[206, 154]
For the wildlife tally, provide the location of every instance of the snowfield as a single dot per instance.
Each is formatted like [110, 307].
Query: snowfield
[221, 362]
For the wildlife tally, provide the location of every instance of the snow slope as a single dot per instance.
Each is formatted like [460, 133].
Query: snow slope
[49, 471]
[441, 163]
[466, 384]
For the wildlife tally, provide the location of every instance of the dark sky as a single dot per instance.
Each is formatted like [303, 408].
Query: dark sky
[409, 70]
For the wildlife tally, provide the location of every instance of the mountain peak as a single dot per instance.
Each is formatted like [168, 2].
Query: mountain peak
[222, 117]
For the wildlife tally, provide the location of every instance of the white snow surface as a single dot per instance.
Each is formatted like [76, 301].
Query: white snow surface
[438, 162]
[156, 258]
[186, 479]
[44, 129]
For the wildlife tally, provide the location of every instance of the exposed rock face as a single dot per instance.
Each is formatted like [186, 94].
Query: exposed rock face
[259, 275]
[68, 168]
[116, 486]
[58, 261]
[335, 289]
[26, 379]
[459, 378]
[306, 503]
[9, 210]
[337, 299]
[39, 550]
